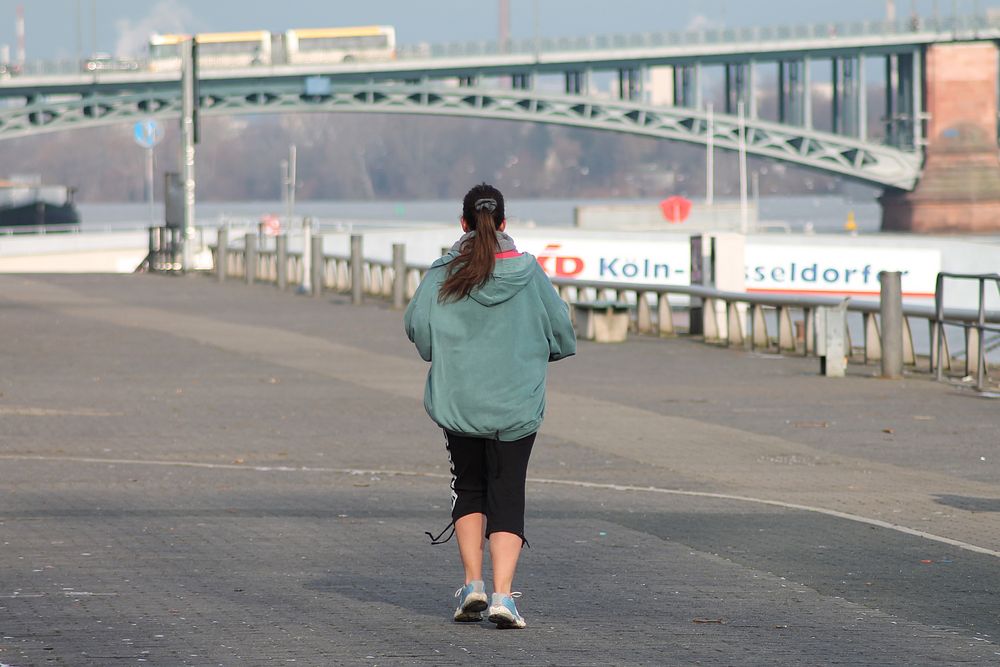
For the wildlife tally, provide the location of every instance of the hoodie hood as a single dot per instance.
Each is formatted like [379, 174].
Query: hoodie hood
[509, 277]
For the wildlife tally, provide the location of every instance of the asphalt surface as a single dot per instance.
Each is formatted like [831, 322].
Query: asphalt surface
[204, 474]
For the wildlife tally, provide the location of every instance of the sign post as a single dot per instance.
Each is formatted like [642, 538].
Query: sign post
[189, 137]
[147, 134]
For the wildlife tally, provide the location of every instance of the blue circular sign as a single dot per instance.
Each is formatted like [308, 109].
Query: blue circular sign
[148, 133]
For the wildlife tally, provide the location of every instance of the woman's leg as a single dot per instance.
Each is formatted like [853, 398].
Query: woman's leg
[468, 500]
[469, 531]
[508, 466]
[505, 548]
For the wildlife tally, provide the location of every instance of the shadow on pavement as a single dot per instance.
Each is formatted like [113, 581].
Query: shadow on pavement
[969, 503]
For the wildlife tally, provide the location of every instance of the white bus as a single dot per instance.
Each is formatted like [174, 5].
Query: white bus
[215, 50]
[336, 45]
[165, 52]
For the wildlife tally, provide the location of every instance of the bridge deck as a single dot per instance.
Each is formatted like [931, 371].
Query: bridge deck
[718, 45]
[177, 489]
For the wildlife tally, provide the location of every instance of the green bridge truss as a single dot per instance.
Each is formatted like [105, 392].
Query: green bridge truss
[868, 162]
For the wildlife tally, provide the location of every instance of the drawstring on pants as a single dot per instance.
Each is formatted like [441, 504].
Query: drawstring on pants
[438, 540]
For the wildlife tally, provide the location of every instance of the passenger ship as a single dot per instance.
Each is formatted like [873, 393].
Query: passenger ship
[25, 202]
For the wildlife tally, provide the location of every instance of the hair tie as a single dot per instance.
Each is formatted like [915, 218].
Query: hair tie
[488, 204]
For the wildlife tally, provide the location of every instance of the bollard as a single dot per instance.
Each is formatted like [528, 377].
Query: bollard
[250, 258]
[318, 265]
[221, 253]
[357, 271]
[162, 257]
[644, 315]
[281, 260]
[664, 316]
[831, 342]
[165, 249]
[398, 275]
[305, 259]
[786, 331]
[151, 255]
[178, 244]
[891, 308]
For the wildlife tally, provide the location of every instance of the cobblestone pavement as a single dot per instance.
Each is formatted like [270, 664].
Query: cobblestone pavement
[204, 474]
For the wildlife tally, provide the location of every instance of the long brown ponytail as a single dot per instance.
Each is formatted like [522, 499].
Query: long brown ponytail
[483, 212]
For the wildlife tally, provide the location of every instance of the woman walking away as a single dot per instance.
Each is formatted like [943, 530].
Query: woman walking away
[489, 321]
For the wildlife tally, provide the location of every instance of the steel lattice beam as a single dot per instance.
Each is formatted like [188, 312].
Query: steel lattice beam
[872, 163]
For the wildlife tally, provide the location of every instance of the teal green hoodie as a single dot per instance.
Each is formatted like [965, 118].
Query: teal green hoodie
[489, 351]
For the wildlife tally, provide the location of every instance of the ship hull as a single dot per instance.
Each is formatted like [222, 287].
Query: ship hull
[39, 214]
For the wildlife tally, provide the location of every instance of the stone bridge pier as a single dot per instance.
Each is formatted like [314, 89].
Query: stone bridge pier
[959, 189]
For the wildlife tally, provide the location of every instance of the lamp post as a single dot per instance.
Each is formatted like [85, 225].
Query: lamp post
[710, 158]
[189, 130]
[744, 213]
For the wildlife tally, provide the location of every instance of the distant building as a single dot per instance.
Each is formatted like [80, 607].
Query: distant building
[660, 86]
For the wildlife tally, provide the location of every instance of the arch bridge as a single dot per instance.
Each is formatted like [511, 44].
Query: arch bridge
[660, 91]
[869, 162]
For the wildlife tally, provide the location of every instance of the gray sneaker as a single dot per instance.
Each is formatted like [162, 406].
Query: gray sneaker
[503, 612]
[471, 602]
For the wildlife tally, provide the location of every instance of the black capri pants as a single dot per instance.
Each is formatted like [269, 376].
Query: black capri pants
[487, 477]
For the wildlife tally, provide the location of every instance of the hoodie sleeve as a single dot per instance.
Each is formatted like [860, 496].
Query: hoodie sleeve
[562, 341]
[417, 321]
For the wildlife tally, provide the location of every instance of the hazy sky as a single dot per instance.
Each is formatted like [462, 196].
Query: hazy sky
[123, 26]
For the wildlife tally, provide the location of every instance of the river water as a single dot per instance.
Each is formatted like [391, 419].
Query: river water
[822, 214]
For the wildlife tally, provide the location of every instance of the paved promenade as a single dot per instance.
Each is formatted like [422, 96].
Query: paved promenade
[205, 474]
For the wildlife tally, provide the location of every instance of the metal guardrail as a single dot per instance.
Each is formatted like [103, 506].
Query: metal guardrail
[738, 318]
[73, 66]
[727, 318]
[45, 230]
[19, 230]
[964, 25]
[166, 245]
[975, 352]
[956, 26]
